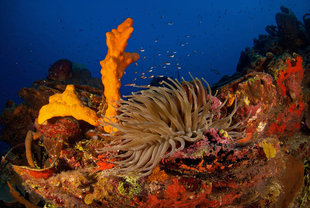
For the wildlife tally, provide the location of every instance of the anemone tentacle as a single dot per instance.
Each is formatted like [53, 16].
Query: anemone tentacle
[156, 122]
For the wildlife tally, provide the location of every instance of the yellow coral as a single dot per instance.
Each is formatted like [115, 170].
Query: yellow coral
[67, 104]
[231, 100]
[114, 65]
[268, 148]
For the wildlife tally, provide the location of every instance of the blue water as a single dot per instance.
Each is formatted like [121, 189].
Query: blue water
[204, 37]
[4, 148]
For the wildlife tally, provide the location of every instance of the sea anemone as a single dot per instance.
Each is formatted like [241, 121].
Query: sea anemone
[158, 121]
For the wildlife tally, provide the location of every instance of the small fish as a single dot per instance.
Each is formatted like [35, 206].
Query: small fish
[141, 50]
[130, 85]
[215, 71]
[170, 23]
[167, 63]
[171, 56]
[142, 77]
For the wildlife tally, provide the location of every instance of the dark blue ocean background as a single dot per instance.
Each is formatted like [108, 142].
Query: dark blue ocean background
[172, 37]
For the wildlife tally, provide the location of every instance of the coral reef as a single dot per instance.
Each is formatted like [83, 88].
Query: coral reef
[157, 122]
[61, 70]
[67, 104]
[306, 20]
[173, 144]
[17, 120]
[114, 65]
[291, 32]
[288, 36]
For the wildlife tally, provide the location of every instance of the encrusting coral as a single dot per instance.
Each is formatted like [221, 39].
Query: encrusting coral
[67, 104]
[114, 65]
[158, 121]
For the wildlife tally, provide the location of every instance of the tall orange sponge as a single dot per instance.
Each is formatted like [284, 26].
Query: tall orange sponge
[114, 65]
[67, 104]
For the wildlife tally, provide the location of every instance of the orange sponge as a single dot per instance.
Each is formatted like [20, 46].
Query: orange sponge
[114, 65]
[67, 104]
